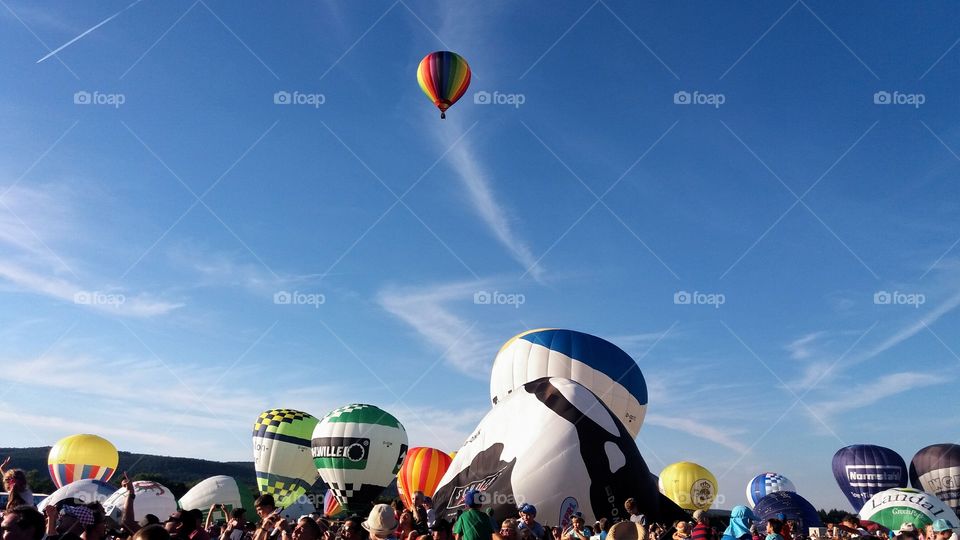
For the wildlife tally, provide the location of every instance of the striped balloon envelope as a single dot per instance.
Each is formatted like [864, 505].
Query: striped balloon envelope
[443, 76]
[331, 506]
[82, 457]
[421, 471]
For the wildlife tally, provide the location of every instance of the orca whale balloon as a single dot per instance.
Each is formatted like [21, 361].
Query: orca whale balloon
[554, 444]
[605, 369]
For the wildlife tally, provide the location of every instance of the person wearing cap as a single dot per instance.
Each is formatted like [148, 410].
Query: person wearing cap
[67, 522]
[943, 529]
[473, 524]
[381, 523]
[528, 515]
[22, 523]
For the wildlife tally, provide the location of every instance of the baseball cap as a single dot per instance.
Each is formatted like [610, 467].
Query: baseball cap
[471, 497]
[82, 513]
[907, 528]
[698, 514]
[528, 508]
[941, 525]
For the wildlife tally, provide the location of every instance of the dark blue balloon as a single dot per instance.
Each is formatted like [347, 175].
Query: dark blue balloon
[863, 470]
[792, 506]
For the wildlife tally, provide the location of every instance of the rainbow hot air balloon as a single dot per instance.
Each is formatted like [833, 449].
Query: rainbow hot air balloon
[281, 454]
[443, 76]
[80, 457]
[421, 471]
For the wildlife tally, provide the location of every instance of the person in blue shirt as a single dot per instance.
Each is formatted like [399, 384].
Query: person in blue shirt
[528, 514]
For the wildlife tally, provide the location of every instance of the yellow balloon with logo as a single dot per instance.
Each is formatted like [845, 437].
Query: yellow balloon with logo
[689, 485]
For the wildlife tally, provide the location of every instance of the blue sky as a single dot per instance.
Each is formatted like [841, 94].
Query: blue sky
[809, 198]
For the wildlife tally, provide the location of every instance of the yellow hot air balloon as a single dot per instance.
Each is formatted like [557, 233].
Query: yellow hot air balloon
[689, 485]
[79, 457]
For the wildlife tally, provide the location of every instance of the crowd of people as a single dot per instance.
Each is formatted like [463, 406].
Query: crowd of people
[69, 520]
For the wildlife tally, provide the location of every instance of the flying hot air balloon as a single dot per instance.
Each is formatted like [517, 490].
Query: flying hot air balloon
[936, 469]
[766, 483]
[421, 471]
[358, 450]
[281, 454]
[443, 76]
[605, 369]
[689, 485]
[863, 470]
[80, 457]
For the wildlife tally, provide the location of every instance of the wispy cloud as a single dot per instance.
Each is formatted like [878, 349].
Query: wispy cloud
[722, 436]
[802, 348]
[32, 256]
[868, 393]
[427, 311]
[494, 214]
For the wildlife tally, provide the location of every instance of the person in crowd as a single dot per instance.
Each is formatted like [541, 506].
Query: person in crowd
[473, 524]
[15, 482]
[431, 513]
[352, 529]
[577, 531]
[702, 530]
[908, 531]
[507, 530]
[630, 505]
[739, 528]
[442, 530]
[236, 526]
[22, 523]
[398, 507]
[601, 529]
[67, 522]
[528, 520]
[98, 529]
[680, 531]
[850, 524]
[152, 532]
[943, 529]
[555, 532]
[774, 528]
[306, 528]
[381, 523]
[405, 526]
[786, 529]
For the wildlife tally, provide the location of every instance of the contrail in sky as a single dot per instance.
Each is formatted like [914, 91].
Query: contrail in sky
[98, 25]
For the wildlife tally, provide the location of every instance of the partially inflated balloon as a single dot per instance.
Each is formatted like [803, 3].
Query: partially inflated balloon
[421, 471]
[331, 506]
[552, 443]
[792, 506]
[894, 507]
[863, 470]
[223, 490]
[766, 483]
[358, 450]
[151, 498]
[281, 454]
[444, 77]
[605, 369]
[79, 492]
[689, 485]
[79, 457]
[936, 469]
